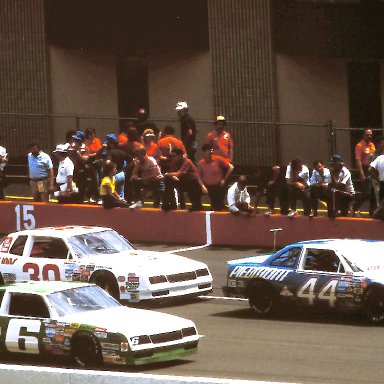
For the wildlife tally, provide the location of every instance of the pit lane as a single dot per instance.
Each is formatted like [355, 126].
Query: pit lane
[289, 348]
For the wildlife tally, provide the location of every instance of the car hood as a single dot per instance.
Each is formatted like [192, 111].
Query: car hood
[259, 259]
[150, 261]
[129, 321]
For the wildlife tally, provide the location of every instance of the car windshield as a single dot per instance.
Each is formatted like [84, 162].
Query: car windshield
[81, 299]
[99, 243]
[365, 257]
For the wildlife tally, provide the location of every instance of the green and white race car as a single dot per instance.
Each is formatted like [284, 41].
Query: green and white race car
[82, 321]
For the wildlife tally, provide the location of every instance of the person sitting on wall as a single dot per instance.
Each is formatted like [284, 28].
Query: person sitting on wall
[239, 200]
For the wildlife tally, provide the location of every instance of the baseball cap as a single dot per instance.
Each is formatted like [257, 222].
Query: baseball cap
[181, 105]
[336, 159]
[78, 138]
[80, 134]
[63, 148]
[220, 118]
[112, 137]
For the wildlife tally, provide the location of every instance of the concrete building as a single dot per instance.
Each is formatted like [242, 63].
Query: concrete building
[279, 70]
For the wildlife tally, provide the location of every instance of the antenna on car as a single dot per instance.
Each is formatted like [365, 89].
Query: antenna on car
[275, 230]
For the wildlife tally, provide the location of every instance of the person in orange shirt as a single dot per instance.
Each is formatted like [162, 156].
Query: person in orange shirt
[221, 140]
[363, 150]
[165, 145]
[149, 142]
[214, 172]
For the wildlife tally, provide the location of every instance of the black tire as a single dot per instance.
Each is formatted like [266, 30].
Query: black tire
[373, 306]
[86, 350]
[107, 281]
[262, 299]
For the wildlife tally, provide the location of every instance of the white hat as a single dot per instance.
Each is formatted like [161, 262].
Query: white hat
[181, 105]
[63, 148]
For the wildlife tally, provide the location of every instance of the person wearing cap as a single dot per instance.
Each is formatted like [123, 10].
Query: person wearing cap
[142, 123]
[214, 172]
[64, 177]
[40, 171]
[363, 149]
[341, 190]
[297, 178]
[188, 130]
[3, 163]
[221, 140]
[149, 142]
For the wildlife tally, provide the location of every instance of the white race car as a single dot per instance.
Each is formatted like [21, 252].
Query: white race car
[101, 256]
[84, 322]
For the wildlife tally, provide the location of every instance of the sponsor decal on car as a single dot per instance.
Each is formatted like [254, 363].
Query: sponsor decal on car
[266, 273]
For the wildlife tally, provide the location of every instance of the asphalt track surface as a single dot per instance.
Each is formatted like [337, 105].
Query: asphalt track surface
[294, 347]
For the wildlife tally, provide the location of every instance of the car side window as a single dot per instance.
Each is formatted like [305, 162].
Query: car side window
[18, 246]
[323, 260]
[288, 258]
[28, 305]
[48, 247]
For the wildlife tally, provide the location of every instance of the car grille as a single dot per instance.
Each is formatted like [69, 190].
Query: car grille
[181, 277]
[165, 337]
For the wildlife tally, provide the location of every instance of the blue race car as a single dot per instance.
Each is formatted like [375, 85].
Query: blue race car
[334, 274]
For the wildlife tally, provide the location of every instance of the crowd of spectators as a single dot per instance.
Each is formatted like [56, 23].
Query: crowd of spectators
[141, 162]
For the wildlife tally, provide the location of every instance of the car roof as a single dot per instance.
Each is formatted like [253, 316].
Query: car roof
[42, 287]
[62, 232]
[336, 242]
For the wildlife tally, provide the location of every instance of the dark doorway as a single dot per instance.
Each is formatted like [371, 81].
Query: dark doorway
[132, 84]
[364, 97]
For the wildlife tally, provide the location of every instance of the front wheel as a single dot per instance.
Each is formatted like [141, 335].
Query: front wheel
[262, 300]
[106, 281]
[86, 350]
[373, 306]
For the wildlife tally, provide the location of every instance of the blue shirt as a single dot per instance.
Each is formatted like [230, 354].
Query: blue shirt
[39, 166]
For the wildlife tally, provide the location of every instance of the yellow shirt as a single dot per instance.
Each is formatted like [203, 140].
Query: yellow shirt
[107, 181]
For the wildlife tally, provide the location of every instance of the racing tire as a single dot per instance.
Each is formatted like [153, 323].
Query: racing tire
[107, 281]
[262, 299]
[86, 350]
[373, 306]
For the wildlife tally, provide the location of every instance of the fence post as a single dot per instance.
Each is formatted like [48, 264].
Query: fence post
[332, 135]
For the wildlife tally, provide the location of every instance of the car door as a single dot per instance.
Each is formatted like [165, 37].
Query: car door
[23, 325]
[317, 278]
[47, 260]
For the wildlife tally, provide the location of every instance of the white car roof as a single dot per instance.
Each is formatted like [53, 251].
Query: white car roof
[61, 232]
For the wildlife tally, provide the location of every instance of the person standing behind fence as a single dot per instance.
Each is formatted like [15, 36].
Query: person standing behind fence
[221, 140]
[40, 171]
[3, 163]
[363, 149]
[188, 130]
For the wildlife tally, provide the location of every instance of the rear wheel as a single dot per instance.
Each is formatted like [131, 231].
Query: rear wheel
[262, 299]
[373, 306]
[107, 281]
[86, 350]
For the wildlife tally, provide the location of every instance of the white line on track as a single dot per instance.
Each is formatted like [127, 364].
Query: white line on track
[222, 298]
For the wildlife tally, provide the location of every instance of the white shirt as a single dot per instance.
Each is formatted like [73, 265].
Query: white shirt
[304, 174]
[344, 177]
[317, 178]
[64, 170]
[235, 195]
[4, 154]
[378, 164]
